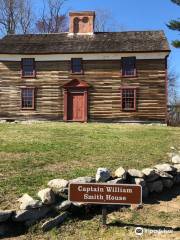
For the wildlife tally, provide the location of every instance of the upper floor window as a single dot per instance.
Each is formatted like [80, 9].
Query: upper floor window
[129, 99]
[128, 66]
[27, 98]
[76, 65]
[28, 67]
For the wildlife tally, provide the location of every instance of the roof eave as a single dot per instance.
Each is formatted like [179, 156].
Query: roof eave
[90, 52]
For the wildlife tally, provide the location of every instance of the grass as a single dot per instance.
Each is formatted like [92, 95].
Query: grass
[33, 154]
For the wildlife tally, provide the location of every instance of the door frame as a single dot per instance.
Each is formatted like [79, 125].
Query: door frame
[73, 86]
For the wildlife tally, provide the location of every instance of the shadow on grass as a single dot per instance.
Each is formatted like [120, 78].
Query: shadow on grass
[12, 229]
[165, 196]
[150, 227]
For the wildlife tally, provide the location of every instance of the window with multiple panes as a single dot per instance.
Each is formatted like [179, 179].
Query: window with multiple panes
[76, 65]
[28, 67]
[129, 99]
[129, 66]
[27, 98]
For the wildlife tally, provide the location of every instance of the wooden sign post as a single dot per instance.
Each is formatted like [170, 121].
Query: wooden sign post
[104, 216]
[105, 194]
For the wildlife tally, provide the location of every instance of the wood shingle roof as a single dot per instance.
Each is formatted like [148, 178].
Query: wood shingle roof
[110, 42]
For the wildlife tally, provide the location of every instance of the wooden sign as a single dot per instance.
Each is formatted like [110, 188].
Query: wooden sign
[97, 193]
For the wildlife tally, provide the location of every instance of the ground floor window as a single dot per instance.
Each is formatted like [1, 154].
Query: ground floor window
[129, 99]
[27, 98]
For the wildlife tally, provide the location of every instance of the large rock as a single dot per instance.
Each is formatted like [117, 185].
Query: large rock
[120, 173]
[12, 230]
[164, 174]
[5, 215]
[156, 186]
[177, 176]
[48, 225]
[152, 178]
[5, 229]
[116, 181]
[63, 193]
[177, 166]
[150, 174]
[166, 167]
[176, 159]
[148, 171]
[139, 181]
[25, 197]
[177, 179]
[63, 206]
[102, 175]
[135, 173]
[31, 215]
[79, 204]
[47, 196]
[27, 202]
[167, 183]
[83, 180]
[145, 192]
[58, 184]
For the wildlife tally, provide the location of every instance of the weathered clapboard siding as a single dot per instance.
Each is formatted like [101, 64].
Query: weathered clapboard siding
[104, 98]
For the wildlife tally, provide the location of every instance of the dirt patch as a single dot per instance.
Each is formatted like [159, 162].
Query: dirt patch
[64, 166]
[171, 206]
[12, 156]
[6, 204]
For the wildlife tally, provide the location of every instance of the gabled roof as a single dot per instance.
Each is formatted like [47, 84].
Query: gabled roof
[110, 42]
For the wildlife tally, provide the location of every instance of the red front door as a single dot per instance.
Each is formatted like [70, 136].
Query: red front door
[75, 106]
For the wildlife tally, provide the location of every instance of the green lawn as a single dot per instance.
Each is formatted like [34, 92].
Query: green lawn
[33, 154]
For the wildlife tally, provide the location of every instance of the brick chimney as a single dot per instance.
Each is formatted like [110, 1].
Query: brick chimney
[82, 22]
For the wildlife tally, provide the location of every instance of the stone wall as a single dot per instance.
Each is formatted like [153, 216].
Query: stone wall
[52, 202]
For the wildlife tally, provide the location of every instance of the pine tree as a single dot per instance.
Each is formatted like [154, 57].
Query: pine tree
[175, 25]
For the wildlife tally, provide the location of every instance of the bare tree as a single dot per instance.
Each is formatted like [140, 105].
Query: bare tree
[15, 16]
[9, 15]
[25, 16]
[172, 94]
[173, 117]
[52, 19]
[105, 22]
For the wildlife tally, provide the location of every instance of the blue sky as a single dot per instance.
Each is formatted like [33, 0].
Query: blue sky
[136, 15]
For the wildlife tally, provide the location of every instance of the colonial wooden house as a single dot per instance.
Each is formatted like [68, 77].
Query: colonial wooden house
[84, 75]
